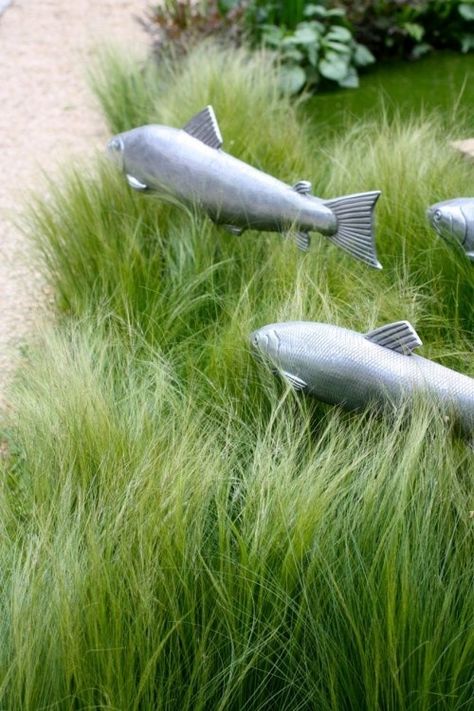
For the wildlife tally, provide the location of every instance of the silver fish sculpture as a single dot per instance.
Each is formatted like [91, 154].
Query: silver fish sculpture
[351, 369]
[454, 221]
[189, 164]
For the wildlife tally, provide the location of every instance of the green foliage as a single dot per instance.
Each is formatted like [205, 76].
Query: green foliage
[178, 529]
[413, 28]
[318, 47]
[177, 25]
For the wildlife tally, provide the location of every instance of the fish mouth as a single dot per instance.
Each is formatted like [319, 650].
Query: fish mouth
[115, 150]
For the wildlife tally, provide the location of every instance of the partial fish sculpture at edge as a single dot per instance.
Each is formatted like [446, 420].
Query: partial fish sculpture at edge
[351, 369]
[453, 220]
[189, 164]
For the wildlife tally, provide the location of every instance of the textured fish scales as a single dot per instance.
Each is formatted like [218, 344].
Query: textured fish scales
[344, 367]
[189, 165]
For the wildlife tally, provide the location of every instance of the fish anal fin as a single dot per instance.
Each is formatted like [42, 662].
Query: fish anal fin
[399, 336]
[355, 225]
[234, 229]
[302, 240]
[135, 183]
[303, 187]
[296, 383]
[205, 128]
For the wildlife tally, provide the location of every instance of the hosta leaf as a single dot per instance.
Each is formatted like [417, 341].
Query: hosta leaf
[466, 10]
[289, 41]
[336, 12]
[315, 11]
[363, 56]
[414, 30]
[467, 42]
[339, 34]
[312, 52]
[306, 35]
[318, 27]
[272, 35]
[334, 69]
[351, 80]
[293, 54]
[292, 78]
[338, 47]
[420, 50]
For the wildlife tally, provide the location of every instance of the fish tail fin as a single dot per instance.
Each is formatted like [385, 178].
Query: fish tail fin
[355, 225]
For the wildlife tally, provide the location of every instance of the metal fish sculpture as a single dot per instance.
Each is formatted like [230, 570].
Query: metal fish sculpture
[454, 221]
[189, 164]
[352, 369]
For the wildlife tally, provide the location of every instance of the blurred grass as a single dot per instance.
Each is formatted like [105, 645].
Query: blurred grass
[178, 529]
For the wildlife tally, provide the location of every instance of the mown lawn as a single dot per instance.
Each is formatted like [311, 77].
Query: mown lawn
[179, 530]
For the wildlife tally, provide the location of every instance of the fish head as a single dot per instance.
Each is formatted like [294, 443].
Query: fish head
[267, 343]
[448, 220]
[116, 150]
[286, 344]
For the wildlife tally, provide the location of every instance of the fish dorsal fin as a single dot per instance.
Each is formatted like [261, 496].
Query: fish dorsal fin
[399, 336]
[205, 128]
[303, 187]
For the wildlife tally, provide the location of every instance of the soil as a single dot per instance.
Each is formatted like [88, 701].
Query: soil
[48, 116]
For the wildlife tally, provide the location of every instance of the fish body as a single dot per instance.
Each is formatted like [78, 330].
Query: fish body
[189, 164]
[454, 221]
[351, 369]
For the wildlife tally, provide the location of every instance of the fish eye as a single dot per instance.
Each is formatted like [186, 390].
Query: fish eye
[115, 144]
[254, 340]
[437, 216]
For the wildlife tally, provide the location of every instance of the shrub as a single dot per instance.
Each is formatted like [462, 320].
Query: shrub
[405, 28]
[317, 48]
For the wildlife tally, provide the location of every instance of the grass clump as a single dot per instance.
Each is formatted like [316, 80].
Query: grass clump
[166, 552]
[180, 530]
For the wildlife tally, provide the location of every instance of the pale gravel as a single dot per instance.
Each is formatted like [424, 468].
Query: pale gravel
[466, 147]
[47, 117]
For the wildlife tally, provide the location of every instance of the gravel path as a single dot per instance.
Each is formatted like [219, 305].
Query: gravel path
[47, 114]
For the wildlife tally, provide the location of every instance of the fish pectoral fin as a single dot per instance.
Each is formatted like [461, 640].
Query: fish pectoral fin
[205, 128]
[135, 183]
[303, 187]
[296, 383]
[301, 239]
[355, 225]
[233, 229]
[399, 336]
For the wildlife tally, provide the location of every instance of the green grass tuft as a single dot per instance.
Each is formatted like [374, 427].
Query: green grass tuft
[178, 529]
